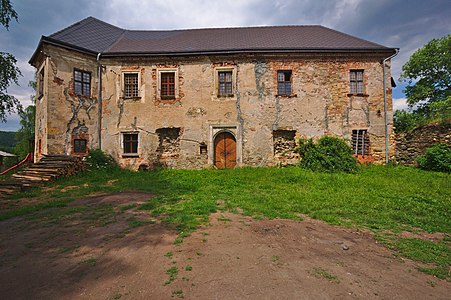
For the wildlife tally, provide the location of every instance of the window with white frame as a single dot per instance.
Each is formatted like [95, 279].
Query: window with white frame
[130, 143]
[131, 85]
[225, 86]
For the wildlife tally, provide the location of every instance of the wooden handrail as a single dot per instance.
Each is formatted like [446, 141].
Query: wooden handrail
[27, 158]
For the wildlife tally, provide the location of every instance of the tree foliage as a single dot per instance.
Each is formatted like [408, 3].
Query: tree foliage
[428, 73]
[9, 73]
[26, 133]
[7, 13]
[27, 121]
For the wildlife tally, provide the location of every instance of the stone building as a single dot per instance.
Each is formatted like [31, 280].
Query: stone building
[203, 97]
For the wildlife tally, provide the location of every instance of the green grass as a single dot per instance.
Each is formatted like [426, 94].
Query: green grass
[321, 273]
[428, 252]
[172, 272]
[90, 261]
[382, 199]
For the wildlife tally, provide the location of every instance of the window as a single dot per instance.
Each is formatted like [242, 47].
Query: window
[41, 83]
[284, 83]
[360, 142]
[80, 145]
[356, 80]
[167, 90]
[39, 147]
[130, 143]
[82, 83]
[203, 149]
[225, 84]
[131, 85]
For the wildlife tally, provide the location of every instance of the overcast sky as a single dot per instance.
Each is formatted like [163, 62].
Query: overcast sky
[404, 24]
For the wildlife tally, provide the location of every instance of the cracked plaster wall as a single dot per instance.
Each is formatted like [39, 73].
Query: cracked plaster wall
[60, 111]
[320, 104]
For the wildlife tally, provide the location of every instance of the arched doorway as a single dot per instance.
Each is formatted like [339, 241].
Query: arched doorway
[225, 150]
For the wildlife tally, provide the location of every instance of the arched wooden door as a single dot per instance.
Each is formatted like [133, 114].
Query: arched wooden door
[225, 150]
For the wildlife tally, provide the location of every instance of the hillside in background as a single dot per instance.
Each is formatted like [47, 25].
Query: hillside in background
[8, 140]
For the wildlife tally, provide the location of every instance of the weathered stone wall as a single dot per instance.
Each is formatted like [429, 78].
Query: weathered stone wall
[410, 145]
[62, 115]
[41, 116]
[320, 104]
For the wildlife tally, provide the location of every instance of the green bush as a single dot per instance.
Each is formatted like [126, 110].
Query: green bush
[328, 154]
[405, 121]
[97, 159]
[436, 158]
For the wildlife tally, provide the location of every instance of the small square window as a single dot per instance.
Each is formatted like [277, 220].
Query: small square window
[167, 88]
[82, 83]
[284, 83]
[80, 145]
[360, 142]
[203, 149]
[356, 81]
[225, 84]
[130, 141]
[131, 85]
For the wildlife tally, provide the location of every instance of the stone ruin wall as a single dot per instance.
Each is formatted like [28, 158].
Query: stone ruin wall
[410, 145]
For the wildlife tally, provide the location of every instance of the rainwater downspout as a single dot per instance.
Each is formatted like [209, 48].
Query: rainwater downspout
[99, 100]
[385, 105]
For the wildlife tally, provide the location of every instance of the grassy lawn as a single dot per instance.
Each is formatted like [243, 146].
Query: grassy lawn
[386, 200]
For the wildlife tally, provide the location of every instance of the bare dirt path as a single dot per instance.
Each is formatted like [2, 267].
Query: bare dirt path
[113, 251]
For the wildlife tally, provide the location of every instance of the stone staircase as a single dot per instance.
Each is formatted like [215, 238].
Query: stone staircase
[49, 168]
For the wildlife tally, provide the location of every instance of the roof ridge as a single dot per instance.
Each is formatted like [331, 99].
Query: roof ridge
[218, 28]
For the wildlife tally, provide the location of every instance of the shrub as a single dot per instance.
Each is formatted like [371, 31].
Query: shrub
[328, 154]
[405, 121]
[436, 158]
[97, 159]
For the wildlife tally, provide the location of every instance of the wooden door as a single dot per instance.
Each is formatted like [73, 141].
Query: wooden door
[225, 150]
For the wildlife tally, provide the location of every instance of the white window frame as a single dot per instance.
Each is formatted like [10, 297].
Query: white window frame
[124, 154]
[123, 84]
[216, 82]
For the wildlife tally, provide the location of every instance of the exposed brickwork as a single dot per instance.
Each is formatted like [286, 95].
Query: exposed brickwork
[320, 104]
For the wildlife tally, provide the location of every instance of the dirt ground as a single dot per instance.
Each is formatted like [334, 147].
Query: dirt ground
[113, 251]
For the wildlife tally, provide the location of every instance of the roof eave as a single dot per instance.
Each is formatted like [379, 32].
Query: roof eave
[51, 41]
[388, 51]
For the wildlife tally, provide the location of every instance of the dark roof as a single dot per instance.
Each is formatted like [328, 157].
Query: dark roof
[94, 36]
[90, 34]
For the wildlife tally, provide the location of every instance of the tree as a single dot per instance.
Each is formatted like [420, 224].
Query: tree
[26, 133]
[428, 75]
[9, 73]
